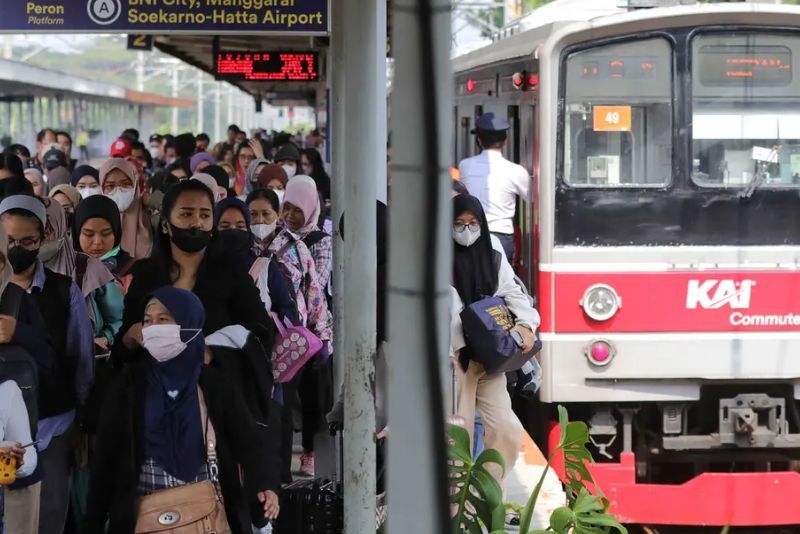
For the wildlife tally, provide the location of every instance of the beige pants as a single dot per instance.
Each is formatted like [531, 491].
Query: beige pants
[502, 429]
[22, 510]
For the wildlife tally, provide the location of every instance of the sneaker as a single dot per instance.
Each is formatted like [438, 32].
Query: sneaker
[307, 464]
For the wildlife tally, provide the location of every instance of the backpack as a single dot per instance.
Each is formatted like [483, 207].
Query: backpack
[309, 241]
[16, 363]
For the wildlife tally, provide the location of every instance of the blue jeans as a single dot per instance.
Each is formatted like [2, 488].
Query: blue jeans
[477, 442]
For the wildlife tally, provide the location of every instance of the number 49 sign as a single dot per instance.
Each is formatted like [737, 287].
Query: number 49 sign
[612, 118]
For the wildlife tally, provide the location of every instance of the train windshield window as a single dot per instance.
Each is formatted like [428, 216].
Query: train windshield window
[746, 110]
[618, 120]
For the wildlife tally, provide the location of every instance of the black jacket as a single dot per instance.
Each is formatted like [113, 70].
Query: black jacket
[119, 452]
[227, 291]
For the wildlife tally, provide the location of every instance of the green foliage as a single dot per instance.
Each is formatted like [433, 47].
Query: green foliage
[476, 495]
[585, 512]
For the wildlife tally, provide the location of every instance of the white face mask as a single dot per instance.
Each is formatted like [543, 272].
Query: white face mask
[87, 192]
[170, 161]
[163, 341]
[280, 193]
[466, 238]
[291, 170]
[155, 152]
[263, 231]
[122, 198]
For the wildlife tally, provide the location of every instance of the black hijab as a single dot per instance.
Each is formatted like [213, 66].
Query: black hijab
[81, 171]
[96, 207]
[474, 271]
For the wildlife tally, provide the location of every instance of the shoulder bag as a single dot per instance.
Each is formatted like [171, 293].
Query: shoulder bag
[191, 509]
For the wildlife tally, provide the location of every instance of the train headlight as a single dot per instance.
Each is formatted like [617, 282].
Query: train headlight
[600, 302]
[600, 352]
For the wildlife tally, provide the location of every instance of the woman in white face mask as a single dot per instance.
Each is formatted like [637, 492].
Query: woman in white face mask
[480, 271]
[86, 180]
[119, 182]
[184, 407]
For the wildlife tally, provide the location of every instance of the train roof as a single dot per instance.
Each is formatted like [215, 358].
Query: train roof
[537, 27]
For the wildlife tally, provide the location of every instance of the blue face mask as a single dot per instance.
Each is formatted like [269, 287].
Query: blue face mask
[110, 254]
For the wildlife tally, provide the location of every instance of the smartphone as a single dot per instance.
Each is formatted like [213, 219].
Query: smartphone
[517, 337]
[31, 444]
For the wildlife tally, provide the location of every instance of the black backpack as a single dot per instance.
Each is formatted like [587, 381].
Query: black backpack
[16, 363]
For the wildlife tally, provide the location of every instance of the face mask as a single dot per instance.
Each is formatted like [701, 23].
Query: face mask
[263, 231]
[235, 240]
[163, 341]
[291, 170]
[155, 152]
[467, 237]
[110, 254]
[190, 240]
[89, 192]
[280, 193]
[21, 258]
[49, 249]
[170, 161]
[122, 198]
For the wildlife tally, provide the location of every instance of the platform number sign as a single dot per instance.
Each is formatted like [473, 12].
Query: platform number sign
[612, 118]
[140, 42]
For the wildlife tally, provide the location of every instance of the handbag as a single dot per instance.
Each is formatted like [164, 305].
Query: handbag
[191, 509]
[487, 324]
[293, 347]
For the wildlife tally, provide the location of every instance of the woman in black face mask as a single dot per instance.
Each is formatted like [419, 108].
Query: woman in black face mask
[187, 257]
[232, 220]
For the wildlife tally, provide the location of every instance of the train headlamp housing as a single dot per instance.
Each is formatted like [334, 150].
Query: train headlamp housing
[601, 302]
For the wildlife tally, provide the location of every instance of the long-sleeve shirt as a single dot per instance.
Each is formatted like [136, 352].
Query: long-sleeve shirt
[14, 425]
[79, 348]
[497, 183]
[509, 291]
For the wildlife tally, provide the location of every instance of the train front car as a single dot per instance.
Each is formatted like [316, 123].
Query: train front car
[669, 269]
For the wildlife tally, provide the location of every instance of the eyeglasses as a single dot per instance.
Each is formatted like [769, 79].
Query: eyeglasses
[113, 188]
[25, 242]
[474, 228]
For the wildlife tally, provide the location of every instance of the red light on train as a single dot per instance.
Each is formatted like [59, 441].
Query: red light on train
[533, 80]
[471, 85]
[518, 80]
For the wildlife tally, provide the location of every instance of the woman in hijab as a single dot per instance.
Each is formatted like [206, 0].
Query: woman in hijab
[232, 219]
[119, 182]
[56, 253]
[480, 271]
[252, 173]
[274, 178]
[300, 216]
[152, 436]
[244, 156]
[86, 180]
[58, 176]
[264, 216]
[68, 197]
[200, 161]
[208, 181]
[36, 178]
[97, 232]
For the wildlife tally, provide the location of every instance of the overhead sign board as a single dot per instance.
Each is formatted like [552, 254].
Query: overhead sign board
[266, 66]
[161, 16]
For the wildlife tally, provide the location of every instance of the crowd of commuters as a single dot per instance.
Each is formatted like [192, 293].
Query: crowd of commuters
[145, 286]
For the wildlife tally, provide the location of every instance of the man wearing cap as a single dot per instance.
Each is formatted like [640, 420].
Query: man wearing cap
[53, 324]
[288, 157]
[121, 148]
[494, 180]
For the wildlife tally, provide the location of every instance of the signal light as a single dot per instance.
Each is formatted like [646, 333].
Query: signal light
[471, 85]
[600, 352]
[518, 80]
[533, 80]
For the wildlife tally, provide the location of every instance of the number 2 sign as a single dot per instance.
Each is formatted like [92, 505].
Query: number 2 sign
[612, 118]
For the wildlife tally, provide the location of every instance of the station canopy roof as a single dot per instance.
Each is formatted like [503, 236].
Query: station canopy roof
[200, 50]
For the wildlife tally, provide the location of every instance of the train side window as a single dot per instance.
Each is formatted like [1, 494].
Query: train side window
[466, 138]
[476, 149]
[512, 146]
[618, 120]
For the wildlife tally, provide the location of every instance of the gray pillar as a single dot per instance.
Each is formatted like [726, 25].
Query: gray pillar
[364, 62]
[54, 110]
[217, 114]
[420, 266]
[7, 119]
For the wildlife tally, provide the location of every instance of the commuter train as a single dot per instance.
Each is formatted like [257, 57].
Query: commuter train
[662, 240]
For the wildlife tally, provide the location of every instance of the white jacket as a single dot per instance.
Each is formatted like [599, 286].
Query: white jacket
[14, 425]
[508, 289]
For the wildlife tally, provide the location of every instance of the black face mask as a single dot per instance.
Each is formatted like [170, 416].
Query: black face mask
[21, 258]
[190, 240]
[235, 240]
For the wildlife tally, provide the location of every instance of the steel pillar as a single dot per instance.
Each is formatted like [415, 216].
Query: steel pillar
[420, 266]
[364, 64]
